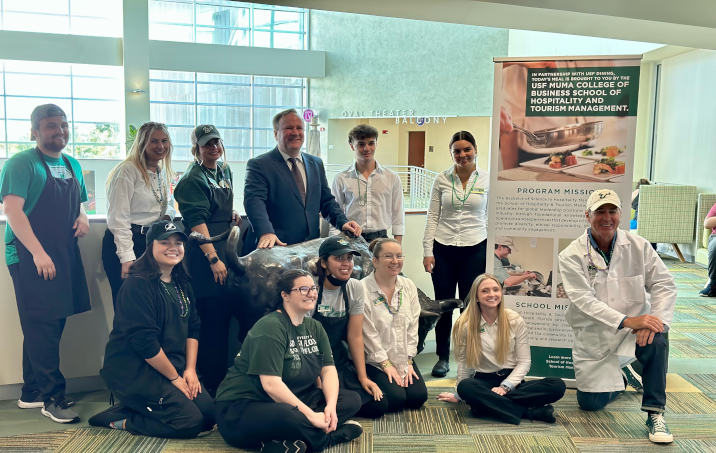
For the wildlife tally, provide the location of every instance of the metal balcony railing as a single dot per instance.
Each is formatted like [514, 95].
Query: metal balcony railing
[417, 183]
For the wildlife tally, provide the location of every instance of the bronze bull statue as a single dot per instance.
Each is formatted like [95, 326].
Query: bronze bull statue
[253, 277]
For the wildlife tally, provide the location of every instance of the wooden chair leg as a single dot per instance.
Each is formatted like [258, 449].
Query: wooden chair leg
[678, 253]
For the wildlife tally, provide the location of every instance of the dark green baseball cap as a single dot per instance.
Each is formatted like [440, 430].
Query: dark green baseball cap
[203, 133]
[45, 111]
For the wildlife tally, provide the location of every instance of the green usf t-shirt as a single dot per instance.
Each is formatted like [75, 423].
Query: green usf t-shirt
[24, 175]
[273, 347]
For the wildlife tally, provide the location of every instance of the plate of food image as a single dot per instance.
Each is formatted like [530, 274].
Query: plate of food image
[555, 162]
[597, 154]
[605, 169]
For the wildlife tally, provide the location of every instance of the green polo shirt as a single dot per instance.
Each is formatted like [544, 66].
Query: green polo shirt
[24, 175]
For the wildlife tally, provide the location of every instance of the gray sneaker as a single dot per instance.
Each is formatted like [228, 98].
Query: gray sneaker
[59, 411]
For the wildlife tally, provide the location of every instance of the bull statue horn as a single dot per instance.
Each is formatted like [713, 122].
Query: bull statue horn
[428, 314]
[233, 233]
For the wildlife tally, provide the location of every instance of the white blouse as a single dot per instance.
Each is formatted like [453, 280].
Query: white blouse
[130, 201]
[449, 221]
[518, 357]
[388, 336]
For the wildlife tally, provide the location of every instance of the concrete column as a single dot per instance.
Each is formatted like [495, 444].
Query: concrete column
[135, 50]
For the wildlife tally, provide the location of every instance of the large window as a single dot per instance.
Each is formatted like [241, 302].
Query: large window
[91, 96]
[227, 22]
[240, 106]
[77, 17]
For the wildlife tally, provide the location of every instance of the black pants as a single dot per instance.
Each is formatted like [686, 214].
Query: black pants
[511, 408]
[246, 424]
[712, 264]
[454, 267]
[215, 314]
[653, 359]
[110, 260]
[41, 359]
[397, 397]
[177, 417]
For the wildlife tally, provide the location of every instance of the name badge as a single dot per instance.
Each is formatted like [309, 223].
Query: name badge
[324, 308]
[212, 182]
[379, 300]
[478, 191]
[482, 330]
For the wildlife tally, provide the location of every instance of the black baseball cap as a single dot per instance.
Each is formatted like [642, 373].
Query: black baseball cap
[163, 229]
[336, 246]
[45, 111]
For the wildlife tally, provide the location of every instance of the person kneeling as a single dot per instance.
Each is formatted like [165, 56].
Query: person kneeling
[270, 398]
[150, 358]
[491, 343]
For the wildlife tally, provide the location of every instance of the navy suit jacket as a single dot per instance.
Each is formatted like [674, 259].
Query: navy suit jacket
[273, 203]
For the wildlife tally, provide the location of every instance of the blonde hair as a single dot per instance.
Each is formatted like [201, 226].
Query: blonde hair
[197, 155]
[469, 322]
[136, 157]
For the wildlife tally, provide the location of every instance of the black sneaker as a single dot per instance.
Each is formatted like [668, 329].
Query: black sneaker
[34, 401]
[633, 379]
[441, 368]
[543, 413]
[285, 446]
[59, 411]
[706, 292]
[346, 432]
[114, 413]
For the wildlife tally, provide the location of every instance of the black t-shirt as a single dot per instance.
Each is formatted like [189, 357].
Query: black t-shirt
[273, 347]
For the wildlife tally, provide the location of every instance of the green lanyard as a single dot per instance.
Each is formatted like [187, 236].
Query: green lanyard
[467, 193]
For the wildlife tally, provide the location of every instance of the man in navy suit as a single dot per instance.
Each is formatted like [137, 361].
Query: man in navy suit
[286, 190]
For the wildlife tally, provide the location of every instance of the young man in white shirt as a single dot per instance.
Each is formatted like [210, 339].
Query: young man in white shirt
[370, 194]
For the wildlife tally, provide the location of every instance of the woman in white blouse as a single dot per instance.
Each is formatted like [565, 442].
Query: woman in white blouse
[138, 193]
[390, 329]
[454, 244]
[493, 357]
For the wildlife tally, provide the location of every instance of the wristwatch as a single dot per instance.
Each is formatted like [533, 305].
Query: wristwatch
[214, 260]
[505, 387]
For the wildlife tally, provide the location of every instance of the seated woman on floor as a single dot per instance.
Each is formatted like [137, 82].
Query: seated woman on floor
[150, 359]
[270, 398]
[493, 358]
[390, 329]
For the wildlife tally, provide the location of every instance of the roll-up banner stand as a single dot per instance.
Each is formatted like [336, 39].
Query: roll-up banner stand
[562, 128]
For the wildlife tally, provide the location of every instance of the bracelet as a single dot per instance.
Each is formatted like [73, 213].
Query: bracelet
[172, 380]
[209, 253]
[410, 360]
[386, 364]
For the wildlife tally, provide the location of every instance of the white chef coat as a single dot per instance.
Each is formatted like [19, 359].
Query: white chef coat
[388, 336]
[637, 282]
[384, 199]
[130, 201]
[449, 226]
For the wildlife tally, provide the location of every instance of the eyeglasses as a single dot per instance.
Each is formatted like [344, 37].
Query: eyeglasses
[398, 257]
[343, 258]
[304, 290]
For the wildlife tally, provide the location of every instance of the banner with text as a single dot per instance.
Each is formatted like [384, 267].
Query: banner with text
[565, 129]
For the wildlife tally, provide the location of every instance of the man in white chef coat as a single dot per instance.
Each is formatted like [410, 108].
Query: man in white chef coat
[622, 300]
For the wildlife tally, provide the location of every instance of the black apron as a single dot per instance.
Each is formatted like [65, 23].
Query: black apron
[51, 220]
[337, 330]
[222, 204]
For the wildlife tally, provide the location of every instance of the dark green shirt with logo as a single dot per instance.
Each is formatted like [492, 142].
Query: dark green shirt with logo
[273, 347]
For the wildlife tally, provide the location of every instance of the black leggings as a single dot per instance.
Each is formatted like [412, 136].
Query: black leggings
[396, 397]
[454, 267]
[511, 408]
[110, 260]
[177, 417]
[215, 314]
[246, 423]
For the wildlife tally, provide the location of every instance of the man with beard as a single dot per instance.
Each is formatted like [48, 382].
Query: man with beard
[42, 191]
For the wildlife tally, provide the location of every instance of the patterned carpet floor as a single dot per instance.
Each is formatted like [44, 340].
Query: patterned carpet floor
[446, 428]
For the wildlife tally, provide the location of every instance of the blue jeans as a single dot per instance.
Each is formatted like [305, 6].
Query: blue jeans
[653, 358]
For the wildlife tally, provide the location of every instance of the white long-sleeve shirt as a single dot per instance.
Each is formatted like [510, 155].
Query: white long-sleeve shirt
[458, 227]
[383, 194]
[388, 336]
[130, 201]
[518, 357]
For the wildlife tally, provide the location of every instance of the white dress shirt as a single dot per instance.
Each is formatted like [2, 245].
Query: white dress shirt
[130, 201]
[388, 336]
[518, 357]
[301, 168]
[383, 194]
[450, 226]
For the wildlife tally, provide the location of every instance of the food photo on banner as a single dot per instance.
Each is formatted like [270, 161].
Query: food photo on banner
[566, 128]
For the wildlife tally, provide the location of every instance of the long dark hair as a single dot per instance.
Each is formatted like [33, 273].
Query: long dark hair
[285, 285]
[146, 267]
[462, 135]
[322, 272]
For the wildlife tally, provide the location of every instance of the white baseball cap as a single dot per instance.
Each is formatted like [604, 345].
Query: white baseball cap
[602, 197]
[507, 242]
